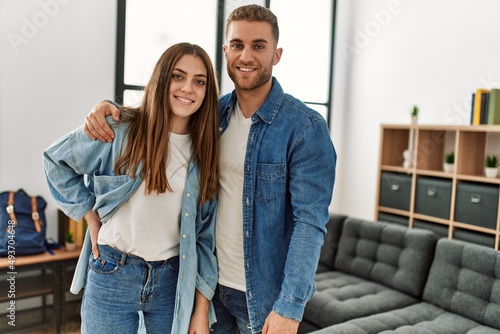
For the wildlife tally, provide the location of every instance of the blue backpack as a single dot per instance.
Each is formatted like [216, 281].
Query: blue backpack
[22, 224]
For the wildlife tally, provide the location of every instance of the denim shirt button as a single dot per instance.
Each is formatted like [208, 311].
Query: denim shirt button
[188, 194]
[184, 236]
[183, 257]
[186, 214]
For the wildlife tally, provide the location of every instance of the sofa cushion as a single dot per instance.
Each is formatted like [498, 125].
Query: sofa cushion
[331, 242]
[389, 254]
[465, 279]
[340, 297]
[421, 318]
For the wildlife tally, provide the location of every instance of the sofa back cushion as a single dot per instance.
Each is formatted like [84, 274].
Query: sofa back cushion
[465, 279]
[393, 255]
[331, 242]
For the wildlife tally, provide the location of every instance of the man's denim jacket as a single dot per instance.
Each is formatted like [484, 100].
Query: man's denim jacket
[289, 174]
[80, 176]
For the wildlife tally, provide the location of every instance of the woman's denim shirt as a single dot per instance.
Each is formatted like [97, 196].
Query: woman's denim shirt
[289, 174]
[80, 176]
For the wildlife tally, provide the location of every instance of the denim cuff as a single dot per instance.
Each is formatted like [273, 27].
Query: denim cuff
[292, 309]
[204, 287]
[113, 103]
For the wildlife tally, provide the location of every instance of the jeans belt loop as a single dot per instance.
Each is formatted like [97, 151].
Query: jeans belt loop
[122, 259]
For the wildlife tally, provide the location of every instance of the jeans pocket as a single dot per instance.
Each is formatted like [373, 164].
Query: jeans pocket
[173, 263]
[103, 265]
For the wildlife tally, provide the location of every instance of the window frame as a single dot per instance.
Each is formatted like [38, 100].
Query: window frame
[121, 86]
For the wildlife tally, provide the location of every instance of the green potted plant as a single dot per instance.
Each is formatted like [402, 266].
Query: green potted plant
[415, 110]
[449, 162]
[69, 239]
[491, 163]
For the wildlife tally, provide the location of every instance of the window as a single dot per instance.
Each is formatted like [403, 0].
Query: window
[147, 28]
[306, 30]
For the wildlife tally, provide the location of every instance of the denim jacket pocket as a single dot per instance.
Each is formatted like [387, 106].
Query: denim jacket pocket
[270, 183]
[109, 192]
[104, 184]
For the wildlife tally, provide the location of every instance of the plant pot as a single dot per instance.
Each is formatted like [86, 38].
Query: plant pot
[491, 172]
[414, 120]
[70, 246]
[448, 168]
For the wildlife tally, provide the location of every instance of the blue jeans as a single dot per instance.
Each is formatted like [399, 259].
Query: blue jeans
[119, 285]
[231, 311]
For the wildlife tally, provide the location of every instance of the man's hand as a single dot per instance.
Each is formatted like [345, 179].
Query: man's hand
[95, 123]
[278, 324]
[94, 225]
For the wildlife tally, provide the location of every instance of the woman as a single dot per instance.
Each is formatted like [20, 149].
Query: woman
[154, 190]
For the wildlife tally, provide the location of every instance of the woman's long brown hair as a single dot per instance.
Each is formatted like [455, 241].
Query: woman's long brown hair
[147, 141]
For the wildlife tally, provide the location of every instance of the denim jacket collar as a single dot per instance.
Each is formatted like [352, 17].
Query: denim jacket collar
[267, 112]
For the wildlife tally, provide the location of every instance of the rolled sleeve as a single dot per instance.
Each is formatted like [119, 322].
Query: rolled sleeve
[65, 181]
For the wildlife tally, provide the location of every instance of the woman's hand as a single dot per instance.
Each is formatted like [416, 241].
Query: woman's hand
[94, 225]
[199, 319]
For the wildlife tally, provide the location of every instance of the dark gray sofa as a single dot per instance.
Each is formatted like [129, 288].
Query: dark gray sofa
[385, 278]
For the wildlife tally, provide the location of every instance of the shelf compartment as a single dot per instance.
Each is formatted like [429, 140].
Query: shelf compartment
[29, 318]
[30, 282]
[432, 144]
[433, 197]
[392, 218]
[471, 153]
[477, 204]
[474, 237]
[395, 190]
[395, 142]
[439, 229]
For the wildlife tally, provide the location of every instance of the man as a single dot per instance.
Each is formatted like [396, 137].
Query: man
[277, 171]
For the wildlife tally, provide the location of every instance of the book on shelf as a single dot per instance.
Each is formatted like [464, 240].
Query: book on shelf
[485, 98]
[478, 99]
[494, 106]
[472, 109]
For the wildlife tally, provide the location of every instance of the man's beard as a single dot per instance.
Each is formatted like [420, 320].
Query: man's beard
[249, 84]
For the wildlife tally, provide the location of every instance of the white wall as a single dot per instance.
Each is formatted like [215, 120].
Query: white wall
[392, 54]
[57, 59]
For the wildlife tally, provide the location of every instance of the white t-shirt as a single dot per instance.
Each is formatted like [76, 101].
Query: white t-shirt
[229, 223]
[147, 225]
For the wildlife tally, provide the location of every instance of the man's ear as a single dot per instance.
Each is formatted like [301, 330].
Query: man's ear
[277, 55]
[224, 50]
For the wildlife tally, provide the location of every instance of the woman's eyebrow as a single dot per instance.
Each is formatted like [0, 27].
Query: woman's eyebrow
[184, 72]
